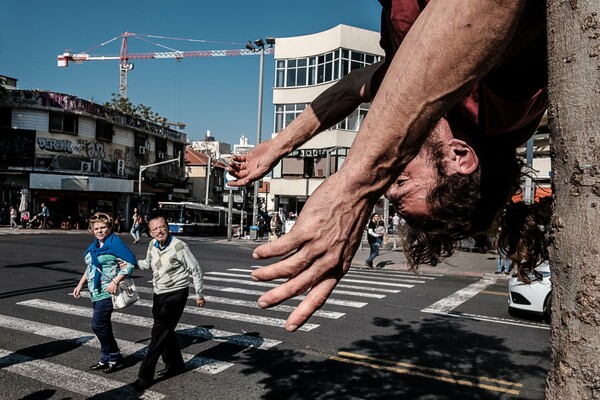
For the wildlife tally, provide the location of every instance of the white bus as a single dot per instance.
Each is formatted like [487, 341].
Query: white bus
[198, 219]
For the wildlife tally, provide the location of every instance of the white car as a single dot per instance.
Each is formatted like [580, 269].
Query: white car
[535, 297]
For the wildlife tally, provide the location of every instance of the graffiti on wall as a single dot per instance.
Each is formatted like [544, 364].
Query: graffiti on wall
[84, 147]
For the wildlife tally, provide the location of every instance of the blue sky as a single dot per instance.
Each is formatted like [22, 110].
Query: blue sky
[219, 94]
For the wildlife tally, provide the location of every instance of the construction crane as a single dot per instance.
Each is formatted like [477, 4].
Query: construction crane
[124, 57]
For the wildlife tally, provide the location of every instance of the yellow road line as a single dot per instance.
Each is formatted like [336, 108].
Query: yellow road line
[505, 294]
[430, 373]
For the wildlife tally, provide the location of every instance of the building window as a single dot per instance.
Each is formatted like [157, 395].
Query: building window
[104, 131]
[160, 146]
[286, 113]
[62, 122]
[323, 68]
[141, 144]
[5, 117]
[354, 121]
[292, 167]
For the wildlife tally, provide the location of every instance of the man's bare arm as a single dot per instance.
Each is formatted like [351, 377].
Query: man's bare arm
[449, 48]
[326, 110]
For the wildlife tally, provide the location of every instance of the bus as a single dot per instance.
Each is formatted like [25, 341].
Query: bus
[190, 218]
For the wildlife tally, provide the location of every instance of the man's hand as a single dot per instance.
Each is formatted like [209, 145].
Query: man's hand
[200, 302]
[248, 168]
[325, 237]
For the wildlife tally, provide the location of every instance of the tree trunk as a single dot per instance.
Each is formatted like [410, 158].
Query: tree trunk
[574, 116]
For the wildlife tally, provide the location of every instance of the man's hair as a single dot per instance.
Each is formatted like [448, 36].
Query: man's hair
[155, 214]
[462, 205]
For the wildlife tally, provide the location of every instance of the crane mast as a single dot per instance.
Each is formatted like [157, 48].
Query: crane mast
[124, 57]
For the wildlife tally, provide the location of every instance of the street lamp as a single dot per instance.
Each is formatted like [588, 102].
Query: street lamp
[259, 45]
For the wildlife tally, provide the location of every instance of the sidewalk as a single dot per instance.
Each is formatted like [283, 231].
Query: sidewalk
[461, 263]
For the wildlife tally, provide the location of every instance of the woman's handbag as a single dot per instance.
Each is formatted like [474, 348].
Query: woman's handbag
[125, 295]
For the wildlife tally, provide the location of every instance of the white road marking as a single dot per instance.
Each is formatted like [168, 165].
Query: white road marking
[387, 277]
[449, 303]
[253, 319]
[272, 285]
[382, 276]
[70, 379]
[345, 303]
[198, 364]
[485, 318]
[386, 272]
[446, 305]
[129, 319]
[339, 285]
[207, 312]
[281, 307]
[254, 304]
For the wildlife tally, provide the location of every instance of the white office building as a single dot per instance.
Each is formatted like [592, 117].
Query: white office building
[305, 66]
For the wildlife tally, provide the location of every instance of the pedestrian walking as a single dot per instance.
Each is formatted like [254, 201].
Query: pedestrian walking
[172, 264]
[135, 226]
[103, 274]
[373, 239]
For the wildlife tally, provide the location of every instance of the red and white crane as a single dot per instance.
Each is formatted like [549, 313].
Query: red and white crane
[124, 57]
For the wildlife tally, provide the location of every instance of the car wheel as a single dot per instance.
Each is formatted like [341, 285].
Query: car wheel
[548, 308]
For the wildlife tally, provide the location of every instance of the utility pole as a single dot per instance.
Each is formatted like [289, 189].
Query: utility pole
[208, 172]
[258, 130]
[145, 167]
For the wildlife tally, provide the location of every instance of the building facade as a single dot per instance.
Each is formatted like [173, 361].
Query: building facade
[305, 66]
[77, 156]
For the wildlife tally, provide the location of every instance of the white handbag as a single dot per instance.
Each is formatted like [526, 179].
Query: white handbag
[126, 293]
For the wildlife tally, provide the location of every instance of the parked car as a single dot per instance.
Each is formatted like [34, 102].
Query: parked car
[534, 297]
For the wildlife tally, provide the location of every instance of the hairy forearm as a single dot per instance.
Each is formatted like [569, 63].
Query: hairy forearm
[449, 48]
[329, 108]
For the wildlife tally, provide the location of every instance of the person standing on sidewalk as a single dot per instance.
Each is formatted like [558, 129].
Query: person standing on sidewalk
[172, 264]
[373, 239]
[13, 217]
[44, 215]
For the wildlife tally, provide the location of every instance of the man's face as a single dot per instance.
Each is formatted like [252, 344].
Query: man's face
[159, 229]
[409, 192]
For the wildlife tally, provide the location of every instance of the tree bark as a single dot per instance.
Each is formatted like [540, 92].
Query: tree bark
[574, 117]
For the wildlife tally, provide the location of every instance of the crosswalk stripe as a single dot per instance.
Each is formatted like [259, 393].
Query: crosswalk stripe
[395, 278]
[234, 316]
[129, 319]
[272, 285]
[253, 319]
[253, 304]
[351, 274]
[386, 272]
[371, 275]
[281, 307]
[449, 303]
[403, 285]
[339, 285]
[63, 377]
[198, 364]
[345, 303]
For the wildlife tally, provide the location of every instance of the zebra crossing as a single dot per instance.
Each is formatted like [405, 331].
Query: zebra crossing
[224, 293]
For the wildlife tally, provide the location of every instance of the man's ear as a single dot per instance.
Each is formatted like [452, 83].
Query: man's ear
[465, 160]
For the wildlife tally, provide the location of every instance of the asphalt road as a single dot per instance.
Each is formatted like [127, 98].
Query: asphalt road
[384, 334]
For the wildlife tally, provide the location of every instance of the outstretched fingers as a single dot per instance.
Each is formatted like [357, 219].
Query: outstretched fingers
[315, 299]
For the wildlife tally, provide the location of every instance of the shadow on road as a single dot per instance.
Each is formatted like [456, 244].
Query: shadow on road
[435, 358]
